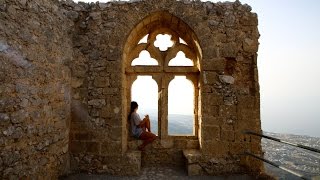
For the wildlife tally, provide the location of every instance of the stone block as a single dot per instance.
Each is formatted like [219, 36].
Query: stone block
[209, 77]
[207, 89]
[97, 102]
[115, 133]
[77, 147]
[133, 159]
[180, 143]
[101, 82]
[217, 64]
[227, 135]
[92, 147]
[194, 170]
[106, 112]
[250, 45]
[19, 116]
[82, 136]
[111, 147]
[229, 50]
[210, 132]
[211, 120]
[4, 117]
[248, 115]
[249, 20]
[210, 52]
[255, 147]
[192, 155]
[227, 111]
[111, 91]
[241, 137]
[210, 99]
[228, 127]
[256, 139]
[230, 20]
[238, 148]
[226, 79]
[246, 101]
[133, 144]
[216, 148]
[193, 144]
[212, 111]
[76, 82]
[167, 143]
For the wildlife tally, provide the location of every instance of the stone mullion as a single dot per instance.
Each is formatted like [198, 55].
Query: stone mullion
[164, 109]
[158, 79]
[164, 98]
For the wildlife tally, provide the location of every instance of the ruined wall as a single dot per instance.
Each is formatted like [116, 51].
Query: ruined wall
[97, 115]
[62, 61]
[230, 99]
[229, 90]
[35, 49]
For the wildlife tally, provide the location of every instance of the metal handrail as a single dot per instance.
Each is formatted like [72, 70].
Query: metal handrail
[282, 141]
[277, 166]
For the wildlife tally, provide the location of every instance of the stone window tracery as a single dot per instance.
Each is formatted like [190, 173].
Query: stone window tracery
[178, 56]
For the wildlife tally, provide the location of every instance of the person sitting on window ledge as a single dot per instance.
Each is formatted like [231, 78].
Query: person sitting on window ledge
[140, 128]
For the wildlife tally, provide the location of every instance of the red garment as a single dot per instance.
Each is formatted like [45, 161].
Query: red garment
[147, 138]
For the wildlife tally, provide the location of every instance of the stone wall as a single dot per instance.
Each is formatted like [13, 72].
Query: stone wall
[229, 90]
[35, 50]
[64, 61]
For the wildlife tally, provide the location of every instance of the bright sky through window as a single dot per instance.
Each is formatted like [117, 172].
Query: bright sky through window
[181, 96]
[163, 42]
[144, 59]
[180, 60]
[145, 92]
[182, 41]
[144, 39]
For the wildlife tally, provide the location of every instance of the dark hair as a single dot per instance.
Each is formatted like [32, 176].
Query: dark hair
[133, 106]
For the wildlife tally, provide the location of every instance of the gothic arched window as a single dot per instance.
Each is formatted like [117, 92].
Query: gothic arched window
[164, 47]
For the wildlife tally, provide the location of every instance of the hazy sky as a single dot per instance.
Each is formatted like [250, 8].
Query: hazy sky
[289, 63]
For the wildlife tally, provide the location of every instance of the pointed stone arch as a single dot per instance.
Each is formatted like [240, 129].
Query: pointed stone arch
[162, 22]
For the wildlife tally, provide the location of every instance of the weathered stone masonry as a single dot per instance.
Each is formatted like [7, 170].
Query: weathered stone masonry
[35, 92]
[65, 77]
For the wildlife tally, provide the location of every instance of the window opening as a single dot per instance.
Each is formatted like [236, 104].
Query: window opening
[181, 106]
[145, 92]
[144, 39]
[144, 59]
[163, 42]
[180, 60]
[182, 41]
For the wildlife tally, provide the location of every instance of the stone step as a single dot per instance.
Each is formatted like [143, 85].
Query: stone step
[134, 162]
